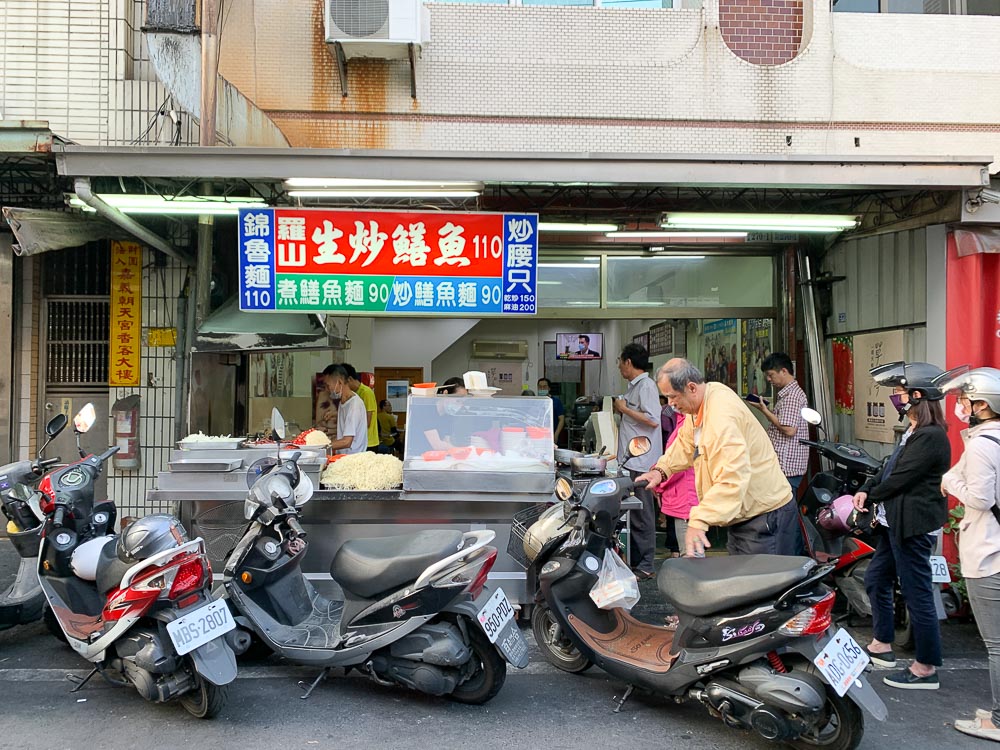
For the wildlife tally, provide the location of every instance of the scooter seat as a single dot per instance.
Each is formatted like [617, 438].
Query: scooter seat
[369, 567]
[110, 570]
[714, 584]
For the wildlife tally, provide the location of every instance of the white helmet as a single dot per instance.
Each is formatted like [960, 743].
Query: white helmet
[981, 384]
[303, 490]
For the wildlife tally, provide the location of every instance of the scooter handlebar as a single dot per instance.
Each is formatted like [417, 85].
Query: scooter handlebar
[295, 526]
[44, 463]
[109, 453]
[57, 518]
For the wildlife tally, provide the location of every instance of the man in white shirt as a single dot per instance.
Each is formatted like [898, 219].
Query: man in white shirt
[352, 419]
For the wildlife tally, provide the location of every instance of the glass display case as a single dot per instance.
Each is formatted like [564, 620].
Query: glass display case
[479, 444]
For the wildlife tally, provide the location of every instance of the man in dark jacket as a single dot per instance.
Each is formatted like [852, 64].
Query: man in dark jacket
[908, 505]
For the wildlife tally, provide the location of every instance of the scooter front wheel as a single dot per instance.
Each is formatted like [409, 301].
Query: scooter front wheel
[557, 649]
[204, 700]
[489, 671]
[841, 727]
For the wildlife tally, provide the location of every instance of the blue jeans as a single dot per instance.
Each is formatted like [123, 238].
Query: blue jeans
[910, 561]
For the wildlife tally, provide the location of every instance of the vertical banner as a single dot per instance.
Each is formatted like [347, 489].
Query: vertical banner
[843, 374]
[125, 332]
[756, 346]
[874, 415]
[721, 347]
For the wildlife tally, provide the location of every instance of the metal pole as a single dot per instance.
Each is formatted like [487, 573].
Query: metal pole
[821, 397]
[180, 357]
[209, 70]
[8, 393]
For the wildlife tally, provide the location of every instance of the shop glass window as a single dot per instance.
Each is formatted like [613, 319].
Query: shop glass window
[856, 6]
[557, 2]
[564, 282]
[715, 281]
[643, 4]
[982, 7]
[475, 2]
[921, 6]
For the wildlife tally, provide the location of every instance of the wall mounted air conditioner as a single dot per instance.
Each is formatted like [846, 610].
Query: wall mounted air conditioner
[376, 28]
[499, 350]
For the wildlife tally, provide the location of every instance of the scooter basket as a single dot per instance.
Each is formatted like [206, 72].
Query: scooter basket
[519, 525]
[221, 528]
[26, 542]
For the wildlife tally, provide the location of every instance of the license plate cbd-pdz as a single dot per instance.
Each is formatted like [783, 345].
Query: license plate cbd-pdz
[197, 628]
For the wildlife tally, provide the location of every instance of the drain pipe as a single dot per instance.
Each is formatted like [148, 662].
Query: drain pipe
[815, 346]
[81, 186]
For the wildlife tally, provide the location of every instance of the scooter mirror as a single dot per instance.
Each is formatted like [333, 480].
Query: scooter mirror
[85, 419]
[812, 416]
[277, 423]
[56, 425]
[564, 490]
[639, 446]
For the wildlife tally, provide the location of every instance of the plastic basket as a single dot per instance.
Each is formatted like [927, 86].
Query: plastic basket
[519, 525]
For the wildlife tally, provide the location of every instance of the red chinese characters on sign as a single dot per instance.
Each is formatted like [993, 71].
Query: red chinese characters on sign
[126, 314]
[388, 243]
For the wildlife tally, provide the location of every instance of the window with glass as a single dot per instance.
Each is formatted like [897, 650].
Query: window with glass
[947, 7]
[569, 282]
[690, 281]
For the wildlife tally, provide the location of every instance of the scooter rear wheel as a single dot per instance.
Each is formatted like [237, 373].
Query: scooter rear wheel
[842, 728]
[205, 700]
[489, 671]
[556, 647]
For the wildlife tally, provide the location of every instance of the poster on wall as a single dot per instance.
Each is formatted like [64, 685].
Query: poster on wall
[874, 415]
[125, 336]
[324, 408]
[271, 375]
[642, 339]
[721, 347]
[395, 392]
[507, 376]
[661, 339]
[843, 374]
[756, 346]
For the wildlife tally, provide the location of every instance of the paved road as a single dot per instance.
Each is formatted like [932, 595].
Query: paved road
[540, 708]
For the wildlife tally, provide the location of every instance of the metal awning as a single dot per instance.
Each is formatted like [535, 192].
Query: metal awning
[701, 170]
[228, 329]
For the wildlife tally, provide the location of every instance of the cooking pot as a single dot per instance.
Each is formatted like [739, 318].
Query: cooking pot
[564, 456]
[588, 464]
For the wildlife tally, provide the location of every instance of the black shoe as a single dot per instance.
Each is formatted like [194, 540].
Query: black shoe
[644, 575]
[886, 659]
[909, 681]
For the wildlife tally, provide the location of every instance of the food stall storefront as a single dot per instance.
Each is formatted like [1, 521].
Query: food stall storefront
[470, 462]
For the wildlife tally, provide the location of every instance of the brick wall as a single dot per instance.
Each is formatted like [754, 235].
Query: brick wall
[763, 32]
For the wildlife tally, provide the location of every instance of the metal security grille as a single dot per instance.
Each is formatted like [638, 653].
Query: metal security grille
[76, 284]
[359, 18]
[77, 341]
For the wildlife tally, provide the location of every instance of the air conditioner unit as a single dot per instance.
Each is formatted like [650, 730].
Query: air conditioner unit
[376, 28]
[499, 350]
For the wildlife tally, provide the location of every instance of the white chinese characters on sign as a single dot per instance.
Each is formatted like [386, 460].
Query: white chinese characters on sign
[516, 278]
[368, 242]
[402, 293]
[292, 228]
[409, 245]
[257, 225]
[332, 293]
[257, 251]
[326, 244]
[451, 246]
[467, 294]
[519, 230]
[257, 277]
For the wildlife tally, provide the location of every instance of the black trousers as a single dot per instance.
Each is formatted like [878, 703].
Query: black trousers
[642, 531]
[776, 532]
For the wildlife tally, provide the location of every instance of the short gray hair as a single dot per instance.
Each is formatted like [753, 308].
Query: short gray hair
[680, 372]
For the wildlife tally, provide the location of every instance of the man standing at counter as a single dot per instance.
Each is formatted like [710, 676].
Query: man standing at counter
[640, 411]
[371, 404]
[352, 427]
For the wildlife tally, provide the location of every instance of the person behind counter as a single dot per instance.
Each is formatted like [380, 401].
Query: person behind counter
[371, 405]
[352, 425]
[387, 427]
[454, 387]
[558, 411]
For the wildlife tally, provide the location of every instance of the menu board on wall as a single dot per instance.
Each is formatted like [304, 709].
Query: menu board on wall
[642, 339]
[874, 415]
[661, 339]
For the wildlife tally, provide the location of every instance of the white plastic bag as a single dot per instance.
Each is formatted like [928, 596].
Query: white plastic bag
[616, 585]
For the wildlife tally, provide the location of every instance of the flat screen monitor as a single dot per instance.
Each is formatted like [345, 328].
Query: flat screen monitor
[579, 346]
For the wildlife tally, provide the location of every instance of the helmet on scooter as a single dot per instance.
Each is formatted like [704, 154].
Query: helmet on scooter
[149, 536]
[981, 384]
[915, 377]
[549, 525]
[838, 516]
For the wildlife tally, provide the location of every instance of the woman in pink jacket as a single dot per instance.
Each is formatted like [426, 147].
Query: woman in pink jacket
[677, 496]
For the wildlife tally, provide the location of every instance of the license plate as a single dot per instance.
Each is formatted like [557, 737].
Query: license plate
[939, 570]
[496, 613]
[200, 626]
[841, 661]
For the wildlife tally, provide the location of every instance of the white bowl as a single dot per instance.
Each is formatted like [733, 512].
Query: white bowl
[482, 392]
[423, 391]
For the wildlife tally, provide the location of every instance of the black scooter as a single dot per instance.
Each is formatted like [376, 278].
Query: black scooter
[754, 643]
[416, 610]
[23, 601]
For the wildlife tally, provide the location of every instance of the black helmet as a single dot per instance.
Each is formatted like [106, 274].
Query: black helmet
[148, 536]
[913, 376]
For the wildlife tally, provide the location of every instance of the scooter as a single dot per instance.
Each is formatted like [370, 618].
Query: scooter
[136, 606]
[415, 611]
[754, 643]
[23, 601]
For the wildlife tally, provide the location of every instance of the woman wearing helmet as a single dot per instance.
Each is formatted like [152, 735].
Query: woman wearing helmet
[906, 494]
[975, 482]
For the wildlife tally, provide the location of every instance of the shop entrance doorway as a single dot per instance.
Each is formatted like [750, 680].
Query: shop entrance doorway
[391, 379]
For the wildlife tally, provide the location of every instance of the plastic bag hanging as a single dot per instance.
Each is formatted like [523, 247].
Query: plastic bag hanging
[616, 585]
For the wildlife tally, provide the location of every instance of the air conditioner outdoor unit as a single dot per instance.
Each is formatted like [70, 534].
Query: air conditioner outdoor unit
[499, 350]
[376, 28]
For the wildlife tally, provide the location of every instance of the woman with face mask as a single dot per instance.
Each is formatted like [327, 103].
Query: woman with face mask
[975, 482]
[906, 499]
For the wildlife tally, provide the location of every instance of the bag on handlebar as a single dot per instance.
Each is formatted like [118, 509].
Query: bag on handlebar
[616, 585]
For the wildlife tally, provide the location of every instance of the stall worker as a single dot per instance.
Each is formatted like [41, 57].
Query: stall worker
[352, 427]
[371, 405]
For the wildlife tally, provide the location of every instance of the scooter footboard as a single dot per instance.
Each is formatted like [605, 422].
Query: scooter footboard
[861, 692]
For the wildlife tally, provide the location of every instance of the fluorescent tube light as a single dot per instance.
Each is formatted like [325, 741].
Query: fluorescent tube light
[154, 204]
[369, 193]
[568, 265]
[346, 183]
[564, 226]
[760, 222]
[679, 236]
[679, 256]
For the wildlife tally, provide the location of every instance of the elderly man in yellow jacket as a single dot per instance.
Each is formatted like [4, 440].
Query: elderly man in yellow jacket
[739, 480]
